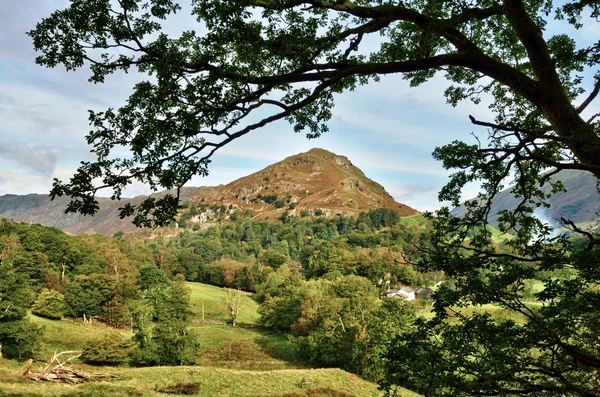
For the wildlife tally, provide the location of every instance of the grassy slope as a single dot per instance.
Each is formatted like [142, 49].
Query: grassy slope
[229, 361]
[413, 220]
[213, 382]
[420, 221]
[214, 304]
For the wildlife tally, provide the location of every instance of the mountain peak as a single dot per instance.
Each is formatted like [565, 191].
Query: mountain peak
[316, 181]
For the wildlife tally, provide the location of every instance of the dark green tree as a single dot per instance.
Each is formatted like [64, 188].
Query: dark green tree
[169, 340]
[19, 338]
[291, 57]
[87, 295]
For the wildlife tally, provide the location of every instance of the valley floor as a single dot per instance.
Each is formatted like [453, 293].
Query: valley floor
[235, 362]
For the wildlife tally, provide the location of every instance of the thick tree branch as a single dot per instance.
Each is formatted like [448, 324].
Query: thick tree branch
[531, 36]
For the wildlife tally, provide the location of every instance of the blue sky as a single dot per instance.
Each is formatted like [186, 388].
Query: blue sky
[387, 129]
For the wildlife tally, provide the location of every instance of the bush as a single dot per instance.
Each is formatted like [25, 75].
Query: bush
[19, 339]
[279, 203]
[112, 348]
[50, 304]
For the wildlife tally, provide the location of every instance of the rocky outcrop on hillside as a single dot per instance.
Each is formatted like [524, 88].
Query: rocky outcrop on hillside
[317, 181]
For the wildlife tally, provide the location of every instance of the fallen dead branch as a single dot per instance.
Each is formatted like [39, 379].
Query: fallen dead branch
[59, 371]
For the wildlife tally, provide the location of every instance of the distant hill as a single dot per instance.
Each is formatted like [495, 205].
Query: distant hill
[38, 208]
[580, 203]
[316, 182]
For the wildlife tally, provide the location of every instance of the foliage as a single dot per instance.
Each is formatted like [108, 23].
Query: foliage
[87, 294]
[18, 336]
[242, 254]
[50, 304]
[169, 340]
[98, 275]
[335, 323]
[112, 348]
[152, 277]
[261, 61]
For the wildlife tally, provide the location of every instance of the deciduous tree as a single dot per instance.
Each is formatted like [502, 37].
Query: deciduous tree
[259, 61]
[19, 338]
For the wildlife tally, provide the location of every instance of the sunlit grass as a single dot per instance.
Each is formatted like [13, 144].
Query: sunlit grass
[213, 299]
[232, 362]
[213, 382]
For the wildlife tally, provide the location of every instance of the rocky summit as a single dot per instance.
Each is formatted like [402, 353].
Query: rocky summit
[315, 183]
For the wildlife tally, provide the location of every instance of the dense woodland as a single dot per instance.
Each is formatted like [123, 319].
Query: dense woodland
[316, 279]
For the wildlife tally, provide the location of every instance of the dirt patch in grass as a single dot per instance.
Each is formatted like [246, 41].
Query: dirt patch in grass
[318, 392]
[181, 388]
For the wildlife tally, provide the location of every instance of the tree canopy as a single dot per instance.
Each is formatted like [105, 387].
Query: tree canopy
[253, 62]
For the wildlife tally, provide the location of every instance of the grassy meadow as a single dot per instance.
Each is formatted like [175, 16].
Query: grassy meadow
[241, 361]
[233, 362]
[213, 300]
[212, 382]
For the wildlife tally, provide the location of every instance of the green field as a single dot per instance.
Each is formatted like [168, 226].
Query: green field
[212, 381]
[233, 362]
[418, 220]
[213, 299]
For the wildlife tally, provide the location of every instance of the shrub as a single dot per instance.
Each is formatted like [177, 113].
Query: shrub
[112, 348]
[19, 339]
[50, 304]
[279, 203]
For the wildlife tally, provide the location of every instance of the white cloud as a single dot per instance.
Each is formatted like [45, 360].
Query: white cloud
[399, 162]
[393, 89]
[37, 158]
[405, 191]
[36, 115]
[18, 182]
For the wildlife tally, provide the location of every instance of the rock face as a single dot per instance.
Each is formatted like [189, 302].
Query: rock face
[317, 181]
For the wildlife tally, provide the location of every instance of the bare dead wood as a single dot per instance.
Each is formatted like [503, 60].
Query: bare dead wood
[57, 371]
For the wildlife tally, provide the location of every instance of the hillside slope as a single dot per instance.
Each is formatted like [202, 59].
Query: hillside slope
[317, 182]
[38, 208]
[311, 181]
[580, 203]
